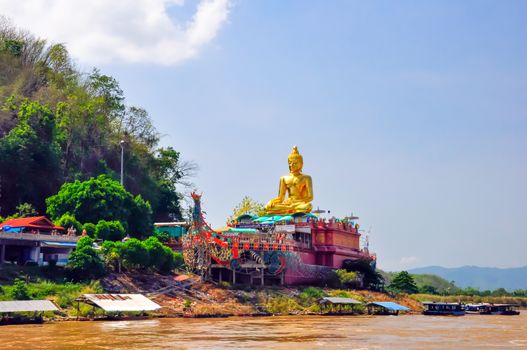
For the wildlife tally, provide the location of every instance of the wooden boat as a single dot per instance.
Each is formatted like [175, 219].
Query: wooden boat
[500, 309]
[474, 308]
[443, 309]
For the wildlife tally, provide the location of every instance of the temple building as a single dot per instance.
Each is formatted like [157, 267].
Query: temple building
[34, 240]
[286, 245]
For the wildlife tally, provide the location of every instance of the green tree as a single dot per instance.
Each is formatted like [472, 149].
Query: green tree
[135, 254]
[25, 210]
[61, 122]
[348, 279]
[19, 291]
[403, 282]
[371, 278]
[113, 252]
[248, 206]
[109, 230]
[67, 220]
[427, 289]
[27, 151]
[90, 229]
[139, 222]
[102, 198]
[84, 263]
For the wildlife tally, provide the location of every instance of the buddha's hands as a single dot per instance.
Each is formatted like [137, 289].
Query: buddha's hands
[274, 201]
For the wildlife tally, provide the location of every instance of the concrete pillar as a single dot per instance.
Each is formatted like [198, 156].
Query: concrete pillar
[2, 253]
[233, 277]
[34, 255]
[262, 276]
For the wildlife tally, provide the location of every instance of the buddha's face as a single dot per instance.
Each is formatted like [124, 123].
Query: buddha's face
[295, 164]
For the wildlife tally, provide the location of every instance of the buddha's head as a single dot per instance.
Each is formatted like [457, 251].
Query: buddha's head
[295, 160]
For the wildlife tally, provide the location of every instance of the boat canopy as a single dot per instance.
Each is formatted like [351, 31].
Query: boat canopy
[337, 300]
[389, 305]
[119, 302]
[27, 306]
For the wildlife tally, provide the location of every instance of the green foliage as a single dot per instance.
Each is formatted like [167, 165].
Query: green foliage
[112, 252]
[311, 295]
[26, 210]
[371, 278]
[348, 279]
[162, 258]
[90, 229]
[67, 220]
[84, 263]
[248, 206]
[403, 282]
[62, 294]
[66, 124]
[162, 236]
[135, 254]
[429, 284]
[19, 291]
[282, 305]
[109, 230]
[27, 151]
[139, 222]
[140, 255]
[103, 198]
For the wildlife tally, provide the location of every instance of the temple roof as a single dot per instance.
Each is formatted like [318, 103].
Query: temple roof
[37, 222]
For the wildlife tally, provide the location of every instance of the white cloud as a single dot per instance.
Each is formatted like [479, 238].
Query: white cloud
[102, 31]
[407, 260]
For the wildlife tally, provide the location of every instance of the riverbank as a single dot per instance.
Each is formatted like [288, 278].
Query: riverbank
[192, 298]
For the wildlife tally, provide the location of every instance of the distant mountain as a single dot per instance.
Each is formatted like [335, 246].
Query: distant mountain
[482, 278]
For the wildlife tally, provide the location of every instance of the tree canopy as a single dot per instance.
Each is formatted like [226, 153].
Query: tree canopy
[248, 206]
[60, 125]
[403, 282]
[102, 198]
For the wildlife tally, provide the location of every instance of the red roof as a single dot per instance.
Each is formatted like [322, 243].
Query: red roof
[36, 222]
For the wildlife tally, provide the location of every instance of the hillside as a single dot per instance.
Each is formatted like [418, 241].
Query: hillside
[439, 284]
[71, 125]
[484, 278]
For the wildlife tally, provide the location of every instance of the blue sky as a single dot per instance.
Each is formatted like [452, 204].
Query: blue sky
[410, 114]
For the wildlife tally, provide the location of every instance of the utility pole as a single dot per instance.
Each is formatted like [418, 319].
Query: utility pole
[122, 162]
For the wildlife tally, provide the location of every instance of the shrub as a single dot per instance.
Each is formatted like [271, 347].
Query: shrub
[109, 230]
[90, 229]
[112, 252]
[19, 291]
[84, 263]
[348, 279]
[162, 236]
[135, 254]
[67, 220]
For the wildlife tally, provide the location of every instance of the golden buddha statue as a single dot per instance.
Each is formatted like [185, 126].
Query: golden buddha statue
[298, 187]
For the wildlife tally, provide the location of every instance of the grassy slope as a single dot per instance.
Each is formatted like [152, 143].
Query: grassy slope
[439, 283]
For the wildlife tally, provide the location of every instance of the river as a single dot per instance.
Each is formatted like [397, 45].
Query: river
[306, 332]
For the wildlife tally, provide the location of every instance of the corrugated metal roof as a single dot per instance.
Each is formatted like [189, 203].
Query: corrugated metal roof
[336, 300]
[27, 305]
[390, 305]
[120, 302]
[59, 244]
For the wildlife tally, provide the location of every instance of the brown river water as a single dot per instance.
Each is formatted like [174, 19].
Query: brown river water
[291, 333]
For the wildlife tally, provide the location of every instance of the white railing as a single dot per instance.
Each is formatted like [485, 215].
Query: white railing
[38, 237]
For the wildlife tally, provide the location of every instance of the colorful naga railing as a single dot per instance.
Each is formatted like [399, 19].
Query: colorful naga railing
[203, 245]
